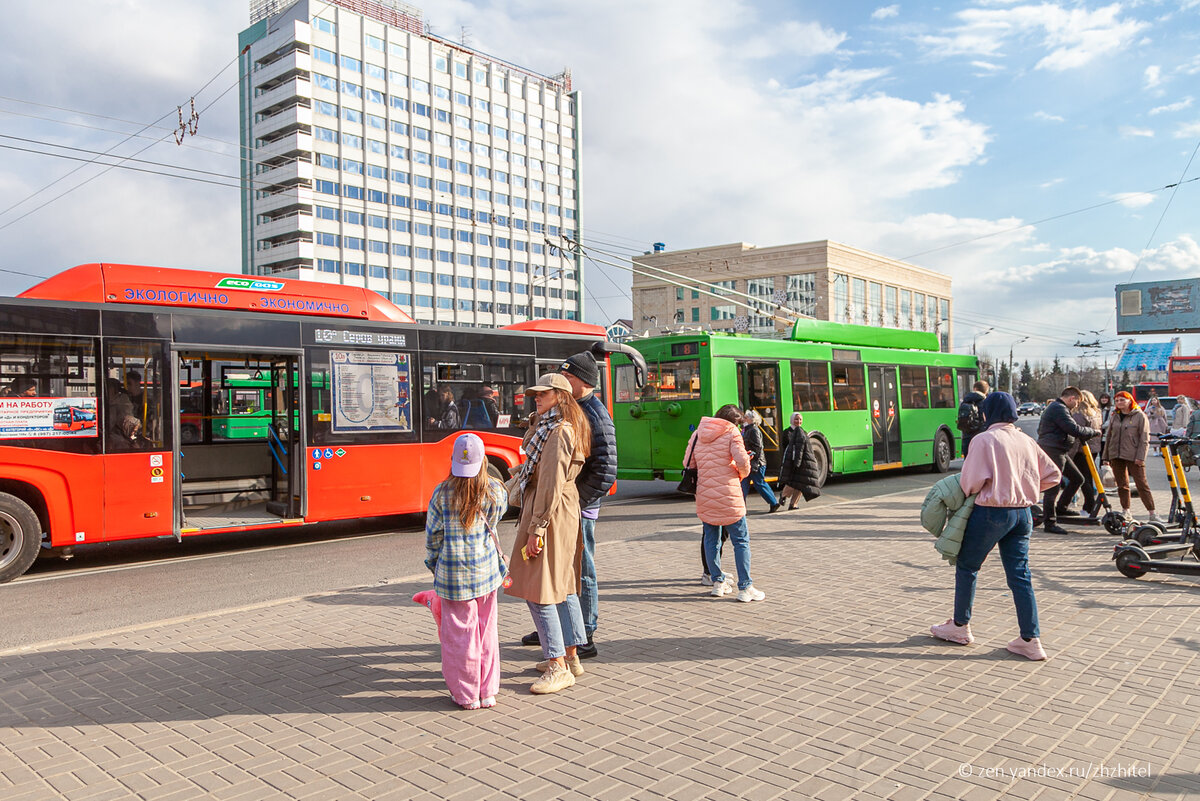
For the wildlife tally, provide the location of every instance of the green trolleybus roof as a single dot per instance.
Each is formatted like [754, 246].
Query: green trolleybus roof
[807, 330]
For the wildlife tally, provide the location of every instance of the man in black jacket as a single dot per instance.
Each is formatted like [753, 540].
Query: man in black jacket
[1056, 431]
[970, 418]
[594, 481]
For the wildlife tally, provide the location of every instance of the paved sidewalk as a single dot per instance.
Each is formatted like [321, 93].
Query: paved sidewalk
[830, 689]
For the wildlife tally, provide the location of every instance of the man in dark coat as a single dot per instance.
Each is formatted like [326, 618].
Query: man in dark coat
[799, 473]
[596, 478]
[970, 417]
[1057, 430]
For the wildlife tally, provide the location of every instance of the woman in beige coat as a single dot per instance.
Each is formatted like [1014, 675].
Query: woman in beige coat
[546, 558]
[1125, 449]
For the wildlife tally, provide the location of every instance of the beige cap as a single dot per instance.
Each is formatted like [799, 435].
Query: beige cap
[550, 381]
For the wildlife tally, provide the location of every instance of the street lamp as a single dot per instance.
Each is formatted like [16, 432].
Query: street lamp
[1010, 362]
[974, 352]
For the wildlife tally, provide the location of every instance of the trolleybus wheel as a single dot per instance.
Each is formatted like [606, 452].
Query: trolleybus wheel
[20, 536]
[1127, 564]
[941, 453]
[821, 457]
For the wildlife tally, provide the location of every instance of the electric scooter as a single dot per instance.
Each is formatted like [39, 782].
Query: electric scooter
[1113, 521]
[1179, 522]
[1135, 560]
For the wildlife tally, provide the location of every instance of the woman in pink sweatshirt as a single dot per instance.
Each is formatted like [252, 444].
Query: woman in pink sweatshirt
[1007, 472]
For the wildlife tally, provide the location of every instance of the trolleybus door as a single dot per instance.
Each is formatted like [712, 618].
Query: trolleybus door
[285, 439]
[758, 389]
[885, 420]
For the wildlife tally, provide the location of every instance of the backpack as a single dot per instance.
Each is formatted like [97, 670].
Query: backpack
[970, 419]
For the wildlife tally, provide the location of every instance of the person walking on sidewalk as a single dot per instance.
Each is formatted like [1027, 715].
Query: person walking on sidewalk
[546, 555]
[1005, 471]
[463, 553]
[970, 418]
[1125, 451]
[1056, 432]
[717, 451]
[752, 438]
[798, 470]
[598, 475]
[1157, 416]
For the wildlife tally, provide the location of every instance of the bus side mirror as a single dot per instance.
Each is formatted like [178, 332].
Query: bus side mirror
[602, 348]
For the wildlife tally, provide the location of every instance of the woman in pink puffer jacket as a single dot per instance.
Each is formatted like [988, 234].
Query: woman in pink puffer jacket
[717, 451]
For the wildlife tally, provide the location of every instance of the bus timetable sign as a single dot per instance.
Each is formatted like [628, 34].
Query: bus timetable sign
[251, 284]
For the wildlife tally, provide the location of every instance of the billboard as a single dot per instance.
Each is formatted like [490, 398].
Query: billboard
[1159, 307]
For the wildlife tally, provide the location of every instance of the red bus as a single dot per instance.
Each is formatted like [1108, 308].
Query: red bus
[73, 418]
[1144, 390]
[1183, 376]
[356, 394]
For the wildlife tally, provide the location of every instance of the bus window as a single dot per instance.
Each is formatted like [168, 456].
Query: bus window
[966, 380]
[810, 386]
[239, 409]
[48, 393]
[941, 388]
[914, 392]
[459, 395]
[679, 380]
[134, 388]
[849, 387]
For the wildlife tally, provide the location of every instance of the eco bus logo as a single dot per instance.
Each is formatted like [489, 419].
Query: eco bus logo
[252, 285]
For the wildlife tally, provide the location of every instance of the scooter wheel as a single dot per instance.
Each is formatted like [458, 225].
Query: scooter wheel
[1146, 534]
[1114, 523]
[1158, 526]
[1127, 563]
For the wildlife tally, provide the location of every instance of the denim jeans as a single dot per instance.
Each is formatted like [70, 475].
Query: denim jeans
[758, 478]
[1009, 528]
[739, 535]
[589, 594]
[558, 626]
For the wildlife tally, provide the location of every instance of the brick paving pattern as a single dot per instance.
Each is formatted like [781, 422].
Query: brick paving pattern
[830, 689]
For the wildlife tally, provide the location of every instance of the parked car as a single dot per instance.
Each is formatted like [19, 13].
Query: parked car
[1029, 407]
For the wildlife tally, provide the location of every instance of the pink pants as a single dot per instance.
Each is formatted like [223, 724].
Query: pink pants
[470, 648]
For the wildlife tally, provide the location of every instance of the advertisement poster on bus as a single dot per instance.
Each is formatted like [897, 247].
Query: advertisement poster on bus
[371, 391]
[47, 417]
[1159, 307]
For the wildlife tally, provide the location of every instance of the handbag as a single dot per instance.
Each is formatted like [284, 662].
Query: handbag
[500, 554]
[687, 484]
[1107, 479]
[513, 488]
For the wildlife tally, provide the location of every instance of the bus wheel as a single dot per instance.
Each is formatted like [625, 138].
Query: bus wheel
[20, 537]
[941, 453]
[821, 456]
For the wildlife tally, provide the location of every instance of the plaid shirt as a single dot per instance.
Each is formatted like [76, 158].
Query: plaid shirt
[464, 561]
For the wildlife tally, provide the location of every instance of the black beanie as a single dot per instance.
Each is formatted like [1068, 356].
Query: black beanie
[582, 366]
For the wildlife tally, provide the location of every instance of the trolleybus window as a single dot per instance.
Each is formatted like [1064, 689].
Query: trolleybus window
[849, 387]
[624, 386]
[810, 386]
[669, 381]
[941, 387]
[914, 392]
[966, 380]
[44, 382]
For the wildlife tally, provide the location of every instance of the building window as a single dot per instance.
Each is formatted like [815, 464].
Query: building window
[723, 312]
[327, 265]
[858, 310]
[919, 312]
[889, 307]
[905, 320]
[325, 26]
[944, 323]
[802, 293]
[841, 298]
[695, 314]
[762, 289]
[720, 285]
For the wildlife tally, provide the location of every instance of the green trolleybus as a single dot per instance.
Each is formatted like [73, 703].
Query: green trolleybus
[872, 398]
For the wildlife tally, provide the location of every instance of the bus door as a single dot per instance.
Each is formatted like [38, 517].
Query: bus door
[885, 422]
[758, 389]
[284, 440]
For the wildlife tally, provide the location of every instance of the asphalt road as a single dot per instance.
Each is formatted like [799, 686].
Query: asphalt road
[128, 584]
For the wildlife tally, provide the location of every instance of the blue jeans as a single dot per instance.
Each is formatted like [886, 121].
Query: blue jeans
[988, 527]
[558, 625]
[589, 595]
[739, 535]
[758, 478]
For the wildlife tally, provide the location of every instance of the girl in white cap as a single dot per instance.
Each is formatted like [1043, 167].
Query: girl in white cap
[464, 554]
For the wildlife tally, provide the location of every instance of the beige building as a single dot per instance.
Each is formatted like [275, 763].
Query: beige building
[825, 280]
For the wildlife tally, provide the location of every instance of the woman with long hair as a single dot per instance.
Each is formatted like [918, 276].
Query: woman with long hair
[547, 554]
[1125, 449]
[1087, 414]
[1183, 412]
[1156, 415]
[463, 552]
[752, 438]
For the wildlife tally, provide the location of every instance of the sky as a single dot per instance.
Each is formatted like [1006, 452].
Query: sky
[1038, 153]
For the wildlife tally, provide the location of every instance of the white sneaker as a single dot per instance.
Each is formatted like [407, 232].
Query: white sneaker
[721, 588]
[1125, 513]
[1156, 519]
[750, 594]
[706, 580]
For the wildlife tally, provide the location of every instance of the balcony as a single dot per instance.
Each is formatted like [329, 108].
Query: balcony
[267, 48]
[285, 256]
[292, 119]
[294, 64]
[290, 226]
[291, 199]
[282, 96]
[296, 145]
[284, 176]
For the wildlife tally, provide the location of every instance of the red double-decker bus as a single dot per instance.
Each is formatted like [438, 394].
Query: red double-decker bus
[362, 404]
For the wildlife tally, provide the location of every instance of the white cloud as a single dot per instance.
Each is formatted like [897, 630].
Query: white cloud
[1153, 76]
[986, 67]
[884, 12]
[1129, 130]
[1189, 130]
[1133, 200]
[1047, 116]
[795, 38]
[1050, 183]
[1073, 37]
[1170, 107]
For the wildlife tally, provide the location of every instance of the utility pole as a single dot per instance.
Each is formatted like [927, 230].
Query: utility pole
[1010, 362]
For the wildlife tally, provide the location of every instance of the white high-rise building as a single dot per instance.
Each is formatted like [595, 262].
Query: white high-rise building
[377, 154]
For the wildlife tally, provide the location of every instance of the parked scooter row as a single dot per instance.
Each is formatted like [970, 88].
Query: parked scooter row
[1173, 547]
